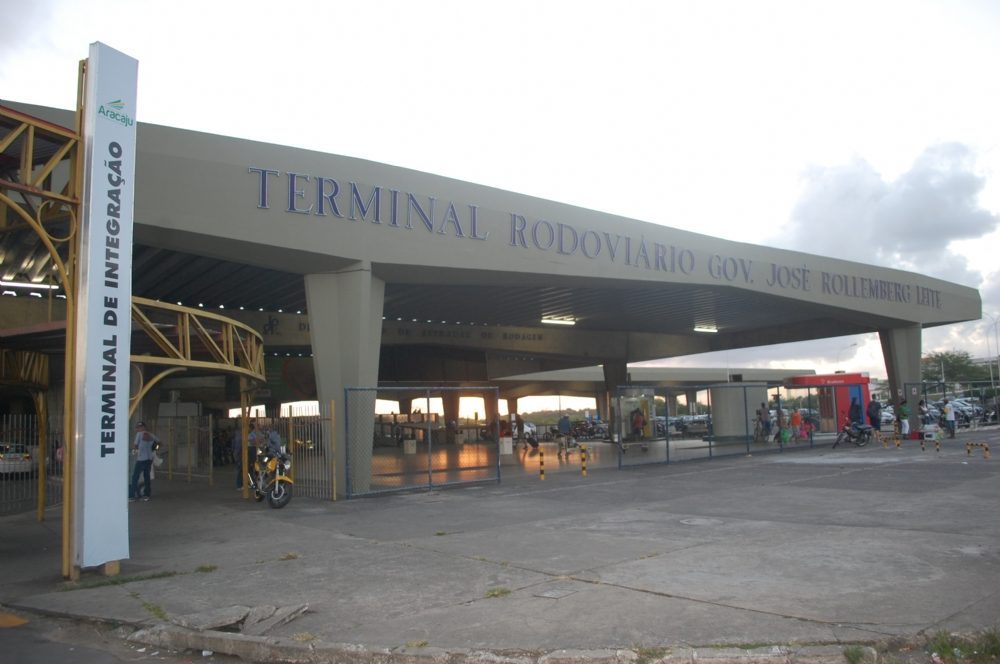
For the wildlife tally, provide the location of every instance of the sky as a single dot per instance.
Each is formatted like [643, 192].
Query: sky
[861, 130]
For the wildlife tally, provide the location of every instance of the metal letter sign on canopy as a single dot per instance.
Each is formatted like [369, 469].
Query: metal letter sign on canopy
[104, 319]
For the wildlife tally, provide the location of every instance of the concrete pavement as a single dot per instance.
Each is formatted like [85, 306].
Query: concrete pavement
[787, 554]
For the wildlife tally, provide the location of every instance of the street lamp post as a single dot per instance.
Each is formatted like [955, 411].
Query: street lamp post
[989, 361]
[996, 336]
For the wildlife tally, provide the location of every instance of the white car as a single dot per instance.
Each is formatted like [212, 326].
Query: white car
[17, 459]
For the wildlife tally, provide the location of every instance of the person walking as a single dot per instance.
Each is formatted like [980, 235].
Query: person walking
[143, 447]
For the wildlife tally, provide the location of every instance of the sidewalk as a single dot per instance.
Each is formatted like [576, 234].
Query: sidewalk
[804, 550]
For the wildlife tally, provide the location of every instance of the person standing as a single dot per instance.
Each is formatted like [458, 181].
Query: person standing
[638, 423]
[764, 415]
[854, 411]
[904, 418]
[564, 435]
[925, 413]
[795, 421]
[252, 438]
[875, 414]
[143, 446]
[949, 418]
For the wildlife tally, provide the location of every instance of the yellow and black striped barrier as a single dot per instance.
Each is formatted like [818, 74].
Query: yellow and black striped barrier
[937, 444]
[583, 460]
[985, 446]
[541, 464]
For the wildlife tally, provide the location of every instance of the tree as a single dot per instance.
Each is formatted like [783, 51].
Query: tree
[956, 365]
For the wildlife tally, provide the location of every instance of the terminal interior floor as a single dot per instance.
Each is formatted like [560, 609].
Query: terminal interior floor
[394, 468]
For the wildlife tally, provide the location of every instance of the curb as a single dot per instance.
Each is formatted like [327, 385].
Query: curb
[290, 651]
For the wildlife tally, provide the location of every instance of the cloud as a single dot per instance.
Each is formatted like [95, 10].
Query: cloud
[850, 211]
[25, 25]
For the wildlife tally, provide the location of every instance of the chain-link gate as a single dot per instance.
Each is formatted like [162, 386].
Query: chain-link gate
[417, 446]
[667, 425]
[306, 437]
[975, 403]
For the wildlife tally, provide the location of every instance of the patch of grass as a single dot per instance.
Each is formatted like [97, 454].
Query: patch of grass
[115, 581]
[441, 533]
[205, 569]
[291, 555]
[980, 648]
[155, 610]
[417, 644]
[988, 646]
[499, 591]
[648, 655]
[739, 646]
[303, 637]
[854, 654]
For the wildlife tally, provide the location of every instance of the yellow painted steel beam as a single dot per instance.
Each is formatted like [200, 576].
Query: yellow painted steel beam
[24, 369]
[146, 386]
[197, 339]
[219, 344]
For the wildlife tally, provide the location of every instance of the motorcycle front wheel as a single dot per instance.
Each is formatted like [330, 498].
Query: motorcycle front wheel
[279, 496]
[863, 439]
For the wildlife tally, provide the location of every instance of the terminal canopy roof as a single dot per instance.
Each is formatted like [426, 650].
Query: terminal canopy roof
[470, 272]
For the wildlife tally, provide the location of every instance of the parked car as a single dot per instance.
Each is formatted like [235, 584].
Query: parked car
[17, 459]
[601, 430]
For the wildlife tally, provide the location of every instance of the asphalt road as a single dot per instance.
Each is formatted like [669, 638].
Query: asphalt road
[35, 639]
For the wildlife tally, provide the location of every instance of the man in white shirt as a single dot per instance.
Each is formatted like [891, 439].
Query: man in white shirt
[949, 418]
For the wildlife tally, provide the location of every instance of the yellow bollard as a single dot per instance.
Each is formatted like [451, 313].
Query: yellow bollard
[541, 465]
[985, 446]
[583, 460]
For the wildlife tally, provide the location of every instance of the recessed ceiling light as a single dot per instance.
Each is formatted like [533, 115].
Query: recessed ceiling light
[559, 321]
[27, 284]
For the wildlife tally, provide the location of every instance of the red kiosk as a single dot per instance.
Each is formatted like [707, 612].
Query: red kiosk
[834, 393]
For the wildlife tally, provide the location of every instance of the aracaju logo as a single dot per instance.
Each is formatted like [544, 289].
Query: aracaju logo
[114, 111]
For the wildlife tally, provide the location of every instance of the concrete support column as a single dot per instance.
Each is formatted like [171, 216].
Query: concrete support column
[345, 328]
[492, 409]
[603, 409]
[901, 352]
[691, 396]
[615, 374]
[450, 400]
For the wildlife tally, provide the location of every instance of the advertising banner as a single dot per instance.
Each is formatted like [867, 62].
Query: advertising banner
[104, 277]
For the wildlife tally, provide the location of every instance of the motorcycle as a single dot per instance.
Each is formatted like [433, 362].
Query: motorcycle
[853, 432]
[270, 479]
